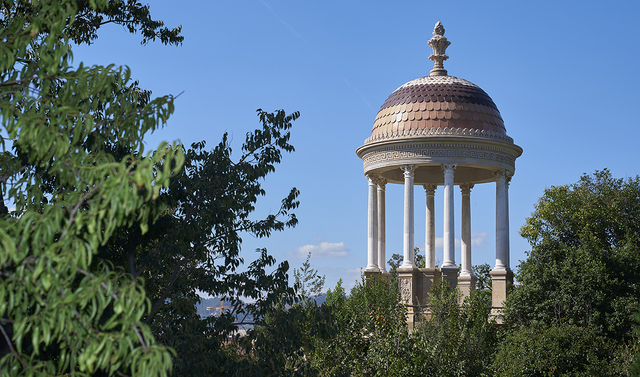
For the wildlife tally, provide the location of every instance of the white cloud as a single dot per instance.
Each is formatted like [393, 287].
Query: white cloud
[323, 249]
[479, 238]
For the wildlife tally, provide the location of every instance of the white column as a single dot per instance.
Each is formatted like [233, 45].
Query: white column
[430, 234]
[372, 244]
[408, 240]
[506, 204]
[502, 220]
[465, 256]
[449, 225]
[381, 226]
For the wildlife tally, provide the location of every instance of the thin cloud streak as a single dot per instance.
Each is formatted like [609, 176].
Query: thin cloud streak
[360, 93]
[283, 22]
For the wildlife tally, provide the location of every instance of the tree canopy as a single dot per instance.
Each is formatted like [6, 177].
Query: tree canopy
[85, 193]
[584, 263]
[59, 313]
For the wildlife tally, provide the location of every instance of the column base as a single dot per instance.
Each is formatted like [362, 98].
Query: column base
[466, 283]
[501, 282]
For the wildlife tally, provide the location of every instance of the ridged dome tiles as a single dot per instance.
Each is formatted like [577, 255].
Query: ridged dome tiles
[434, 102]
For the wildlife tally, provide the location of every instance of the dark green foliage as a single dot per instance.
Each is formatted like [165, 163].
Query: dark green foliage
[458, 340]
[371, 334]
[196, 244]
[635, 367]
[130, 14]
[556, 350]
[280, 347]
[584, 265]
[481, 272]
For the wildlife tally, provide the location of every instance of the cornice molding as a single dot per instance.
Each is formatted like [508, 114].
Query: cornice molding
[431, 132]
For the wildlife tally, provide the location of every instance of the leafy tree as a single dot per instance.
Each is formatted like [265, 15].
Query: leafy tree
[584, 265]
[481, 272]
[195, 247]
[370, 335]
[281, 344]
[88, 19]
[556, 350]
[180, 239]
[308, 283]
[372, 338]
[635, 367]
[60, 313]
[457, 339]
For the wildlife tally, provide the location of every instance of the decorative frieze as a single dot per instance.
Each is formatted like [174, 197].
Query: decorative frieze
[398, 154]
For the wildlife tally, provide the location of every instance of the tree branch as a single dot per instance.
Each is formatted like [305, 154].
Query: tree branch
[13, 350]
[72, 215]
[174, 276]
[144, 345]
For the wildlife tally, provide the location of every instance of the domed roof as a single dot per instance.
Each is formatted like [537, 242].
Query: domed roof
[438, 102]
[435, 120]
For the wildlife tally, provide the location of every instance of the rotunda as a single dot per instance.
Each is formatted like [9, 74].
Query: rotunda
[438, 131]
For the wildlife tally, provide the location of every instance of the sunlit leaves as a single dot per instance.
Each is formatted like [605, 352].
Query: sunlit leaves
[60, 313]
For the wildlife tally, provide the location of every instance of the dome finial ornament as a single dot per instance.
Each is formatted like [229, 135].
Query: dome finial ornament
[439, 43]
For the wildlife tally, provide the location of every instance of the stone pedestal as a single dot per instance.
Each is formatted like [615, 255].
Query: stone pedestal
[466, 283]
[427, 278]
[408, 283]
[370, 276]
[501, 281]
[450, 275]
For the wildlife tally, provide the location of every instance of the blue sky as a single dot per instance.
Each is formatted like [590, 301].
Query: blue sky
[564, 76]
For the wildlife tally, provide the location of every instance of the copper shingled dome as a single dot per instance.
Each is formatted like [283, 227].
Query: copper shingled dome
[438, 102]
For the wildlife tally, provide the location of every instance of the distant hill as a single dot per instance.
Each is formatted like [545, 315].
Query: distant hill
[320, 299]
[214, 302]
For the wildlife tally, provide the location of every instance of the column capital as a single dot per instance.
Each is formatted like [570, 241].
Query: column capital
[382, 183]
[408, 169]
[449, 167]
[372, 178]
[430, 188]
[465, 188]
[503, 174]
